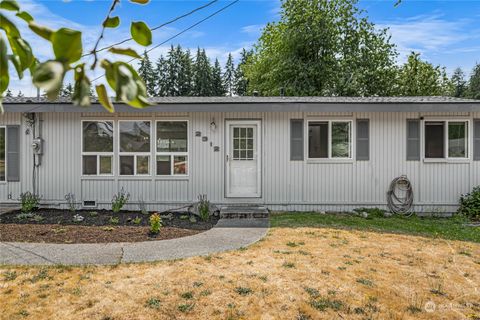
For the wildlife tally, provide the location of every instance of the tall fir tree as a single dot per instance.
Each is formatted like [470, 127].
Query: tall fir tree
[202, 75]
[459, 83]
[217, 82]
[146, 72]
[173, 71]
[229, 76]
[20, 94]
[161, 76]
[474, 83]
[241, 81]
[8, 93]
[185, 78]
[66, 91]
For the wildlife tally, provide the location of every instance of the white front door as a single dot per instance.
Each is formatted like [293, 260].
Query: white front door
[243, 158]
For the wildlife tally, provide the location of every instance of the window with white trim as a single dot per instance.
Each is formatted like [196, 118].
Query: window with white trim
[134, 147]
[97, 147]
[172, 148]
[446, 139]
[330, 139]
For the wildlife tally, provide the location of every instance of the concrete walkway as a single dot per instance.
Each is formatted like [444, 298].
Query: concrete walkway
[228, 234]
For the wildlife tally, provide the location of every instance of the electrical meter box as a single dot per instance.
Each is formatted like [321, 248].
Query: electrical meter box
[37, 146]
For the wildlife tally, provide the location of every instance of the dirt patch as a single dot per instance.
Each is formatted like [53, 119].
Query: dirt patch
[294, 273]
[99, 226]
[54, 233]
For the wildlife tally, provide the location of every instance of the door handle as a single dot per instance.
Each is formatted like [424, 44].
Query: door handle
[227, 157]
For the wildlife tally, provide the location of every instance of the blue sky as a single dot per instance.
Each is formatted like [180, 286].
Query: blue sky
[445, 32]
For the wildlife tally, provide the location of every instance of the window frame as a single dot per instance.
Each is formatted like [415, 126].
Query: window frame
[172, 154]
[446, 157]
[98, 154]
[330, 158]
[6, 155]
[134, 154]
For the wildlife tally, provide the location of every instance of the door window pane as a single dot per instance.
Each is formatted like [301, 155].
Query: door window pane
[457, 139]
[142, 164]
[2, 155]
[172, 136]
[243, 143]
[98, 136]
[163, 165]
[89, 165]
[127, 165]
[434, 139]
[340, 139]
[180, 164]
[134, 136]
[106, 165]
[318, 139]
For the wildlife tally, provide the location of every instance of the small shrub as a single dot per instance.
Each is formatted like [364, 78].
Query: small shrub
[366, 282]
[187, 295]
[312, 292]
[203, 207]
[153, 303]
[288, 265]
[142, 206]
[29, 201]
[119, 200]
[470, 204]
[324, 304]
[93, 213]
[71, 202]
[185, 307]
[155, 223]
[243, 291]
[137, 220]
[114, 220]
[9, 275]
[370, 213]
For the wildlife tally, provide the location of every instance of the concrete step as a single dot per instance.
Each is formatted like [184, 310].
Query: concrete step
[243, 212]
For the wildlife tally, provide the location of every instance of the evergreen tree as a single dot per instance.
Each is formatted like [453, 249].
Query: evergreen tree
[173, 71]
[161, 76]
[474, 83]
[459, 83]
[229, 76]
[66, 91]
[20, 94]
[218, 88]
[146, 72]
[202, 75]
[241, 82]
[186, 74]
[8, 93]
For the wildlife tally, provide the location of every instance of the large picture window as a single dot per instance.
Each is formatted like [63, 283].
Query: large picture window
[134, 147]
[330, 139]
[172, 148]
[446, 139]
[97, 147]
[3, 171]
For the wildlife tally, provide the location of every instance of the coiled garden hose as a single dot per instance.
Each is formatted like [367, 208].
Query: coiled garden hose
[400, 196]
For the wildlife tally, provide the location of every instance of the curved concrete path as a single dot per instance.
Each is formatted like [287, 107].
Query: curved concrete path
[228, 234]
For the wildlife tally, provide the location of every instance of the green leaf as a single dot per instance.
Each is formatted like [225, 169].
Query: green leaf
[25, 16]
[127, 52]
[141, 33]
[22, 49]
[140, 1]
[67, 45]
[17, 64]
[104, 98]
[4, 77]
[49, 77]
[111, 22]
[9, 27]
[81, 91]
[42, 31]
[11, 5]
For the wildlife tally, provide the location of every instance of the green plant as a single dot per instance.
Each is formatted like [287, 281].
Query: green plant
[153, 303]
[155, 223]
[186, 307]
[29, 201]
[9, 275]
[470, 204]
[187, 295]
[203, 207]
[119, 200]
[114, 220]
[243, 291]
[142, 206]
[71, 202]
[137, 220]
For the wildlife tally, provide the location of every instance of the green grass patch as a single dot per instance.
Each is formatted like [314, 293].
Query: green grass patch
[454, 228]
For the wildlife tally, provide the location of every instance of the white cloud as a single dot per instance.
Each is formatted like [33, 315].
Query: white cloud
[427, 34]
[254, 29]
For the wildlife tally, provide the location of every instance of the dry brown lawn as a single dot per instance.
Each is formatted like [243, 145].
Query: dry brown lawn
[303, 273]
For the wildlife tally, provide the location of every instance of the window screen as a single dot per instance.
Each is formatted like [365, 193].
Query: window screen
[434, 139]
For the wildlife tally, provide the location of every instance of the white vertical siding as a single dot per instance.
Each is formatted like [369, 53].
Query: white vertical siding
[286, 185]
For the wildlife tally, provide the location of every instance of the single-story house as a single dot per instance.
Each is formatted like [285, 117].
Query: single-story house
[285, 153]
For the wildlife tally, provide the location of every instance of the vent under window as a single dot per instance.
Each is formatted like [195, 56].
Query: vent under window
[90, 203]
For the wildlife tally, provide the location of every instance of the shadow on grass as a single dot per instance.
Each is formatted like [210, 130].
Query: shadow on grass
[454, 228]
